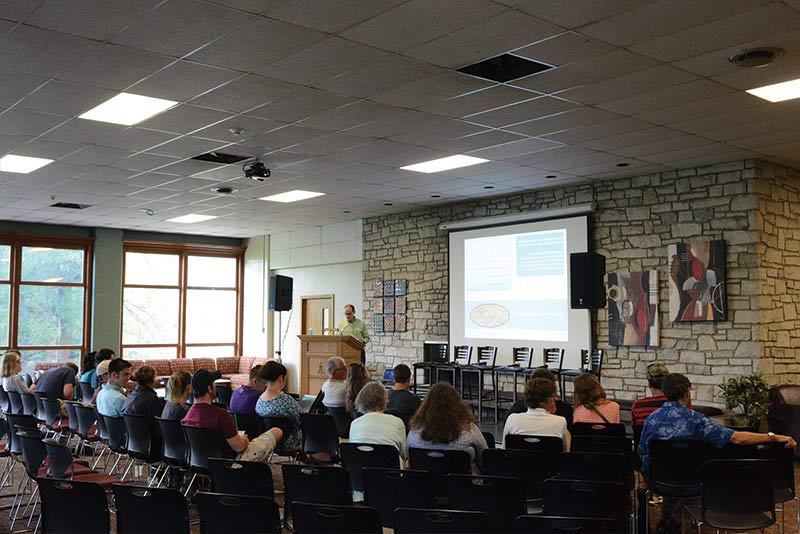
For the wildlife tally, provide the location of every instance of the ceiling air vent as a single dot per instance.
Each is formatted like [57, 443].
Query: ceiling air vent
[70, 205]
[221, 158]
[505, 68]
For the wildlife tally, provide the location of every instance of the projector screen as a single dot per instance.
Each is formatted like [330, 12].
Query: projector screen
[509, 287]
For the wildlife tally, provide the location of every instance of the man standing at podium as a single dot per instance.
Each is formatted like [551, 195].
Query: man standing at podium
[354, 327]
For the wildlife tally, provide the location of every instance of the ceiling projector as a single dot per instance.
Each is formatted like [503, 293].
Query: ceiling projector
[256, 170]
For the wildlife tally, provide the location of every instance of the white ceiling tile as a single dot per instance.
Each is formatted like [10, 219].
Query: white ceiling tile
[597, 131]
[136, 139]
[83, 131]
[183, 80]
[18, 10]
[45, 148]
[583, 116]
[667, 97]
[327, 58]
[438, 128]
[187, 167]
[178, 27]
[638, 137]
[479, 101]
[330, 16]
[377, 77]
[285, 137]
[244, 93]
[144, 162]
[628, 85]
[15, 86]
[467, 143]
[300, 104]
[572, 15]
[96, 155]
[251, 6]
[186, 147]
[616, 63]
[41, 52]
[782, 70]
[771, 19]
[449, 84]
[250, 127]
[330, 143]
[9, 142]
[102, 173]
[20, 122]
[524, 111]
[564, 48]
[184, 119]
[419, 21]
[515, 148]
[271, 40]
[350, 115]
[702, 108]
[102, 67]
[150, 179]
[65, 98]
[95, 19]
[643, 150]
[487, 38]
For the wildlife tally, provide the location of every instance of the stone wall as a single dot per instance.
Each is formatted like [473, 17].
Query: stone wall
[778, 229]
[634, 221]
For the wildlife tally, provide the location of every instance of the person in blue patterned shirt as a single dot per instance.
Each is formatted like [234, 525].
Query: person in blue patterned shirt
[675, 420]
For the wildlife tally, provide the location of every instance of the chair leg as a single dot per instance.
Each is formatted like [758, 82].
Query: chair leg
[189, 487]
[127, 469]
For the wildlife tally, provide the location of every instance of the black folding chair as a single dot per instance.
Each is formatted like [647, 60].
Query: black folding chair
[175, 450]
[356, 456]
[532, 467]
[592, 466]
[202, 444]
[388, 489]
[152, 510]
[737, 494]
[87, 391]
[221, 513]
[343, 420]
[224, 394]
[675, 467]
[553, 360]
[490, 442]
[566, 525]
[117, 441]
[60, 500]
[15, 402]
[5, 402]
[320, 435]
[252, 424]
[440, 461]
[30, 405]
[591, 362]
[315, 484]
[241, 478]
[603, 444]
[314, 518]
[575, 498]
[601, 429]
[502, 498]
[429, 521]
[144, 442]
[549, 444]
[462, 356]
[486, 360]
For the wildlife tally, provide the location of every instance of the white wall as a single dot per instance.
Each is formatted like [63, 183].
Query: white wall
[325, 260]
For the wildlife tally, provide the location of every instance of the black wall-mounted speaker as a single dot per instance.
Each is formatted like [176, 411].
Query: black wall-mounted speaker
[587, 290]
[280, 293]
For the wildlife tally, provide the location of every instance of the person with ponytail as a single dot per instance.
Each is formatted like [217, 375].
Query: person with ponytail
[143, 400]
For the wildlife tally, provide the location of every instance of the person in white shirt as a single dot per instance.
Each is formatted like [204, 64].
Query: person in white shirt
[539, 420]
[335, 387]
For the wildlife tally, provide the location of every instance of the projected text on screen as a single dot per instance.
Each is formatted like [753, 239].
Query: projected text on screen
[516, 286]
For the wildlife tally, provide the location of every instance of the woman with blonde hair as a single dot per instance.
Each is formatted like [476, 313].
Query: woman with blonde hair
[591, 404]
[10, 367]
[357, 378]
[179, 387]
[444, 422]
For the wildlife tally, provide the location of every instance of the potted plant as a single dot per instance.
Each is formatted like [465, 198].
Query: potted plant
[747, 396]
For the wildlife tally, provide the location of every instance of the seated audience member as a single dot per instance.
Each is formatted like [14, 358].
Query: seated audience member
[102, 378]
[88, 367]
[643, 407]
[564, 409]
[357, 377]
[143, 400]
[10, 367]
[335, 387]
[591, 405]
[102, 355]
[540, 419]
[58, 383]
[444, 422]
[244, 399]
[111, 398]
[273, 402]
[179, 386]
[203, 414]
[401, 400]
[375, 426]
[675, 420]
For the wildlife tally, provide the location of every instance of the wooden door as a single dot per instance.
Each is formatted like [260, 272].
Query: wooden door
[317, 314]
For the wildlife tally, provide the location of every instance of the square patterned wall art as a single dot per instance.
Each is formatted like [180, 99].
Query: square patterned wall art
[633, 308]
[697, 281]
[389, 305]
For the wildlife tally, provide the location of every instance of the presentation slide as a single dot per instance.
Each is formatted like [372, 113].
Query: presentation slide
[509, 287]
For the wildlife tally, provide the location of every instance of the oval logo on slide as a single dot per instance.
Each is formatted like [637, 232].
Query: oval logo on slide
[489, 315]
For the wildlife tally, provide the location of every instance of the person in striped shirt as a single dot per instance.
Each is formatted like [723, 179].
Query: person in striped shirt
[643, 407]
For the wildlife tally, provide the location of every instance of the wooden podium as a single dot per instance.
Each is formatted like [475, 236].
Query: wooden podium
[315, 351]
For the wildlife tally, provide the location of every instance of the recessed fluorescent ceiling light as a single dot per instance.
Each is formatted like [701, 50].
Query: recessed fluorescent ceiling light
[192, 218]
[444, 164]
[127, 109]
[778, 92]
[22, 164]
[292, 196]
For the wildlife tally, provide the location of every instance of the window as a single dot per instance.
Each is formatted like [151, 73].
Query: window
[181, 301]
[44, 298]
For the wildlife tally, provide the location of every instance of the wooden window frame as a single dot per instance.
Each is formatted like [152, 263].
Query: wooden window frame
[16, 242]
[183, 251]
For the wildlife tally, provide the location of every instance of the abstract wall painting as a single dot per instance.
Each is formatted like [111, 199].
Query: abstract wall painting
[697, 288]
[633, 308]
